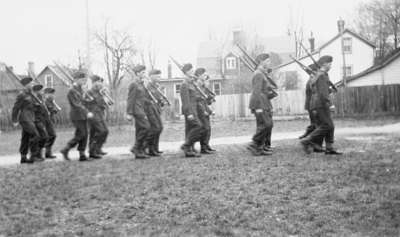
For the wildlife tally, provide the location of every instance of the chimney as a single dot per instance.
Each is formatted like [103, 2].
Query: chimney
[169, 70]
[31, 69]
[312, 43]
[238, 37]
[340, 25]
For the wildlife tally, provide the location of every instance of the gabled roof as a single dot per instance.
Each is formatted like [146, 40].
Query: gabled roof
[329, 42]
[61, 73]
[354, 34]
[7, 74]
[383, 63]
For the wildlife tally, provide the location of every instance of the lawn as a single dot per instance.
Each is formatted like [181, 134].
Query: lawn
[227, 194]
[173, 131]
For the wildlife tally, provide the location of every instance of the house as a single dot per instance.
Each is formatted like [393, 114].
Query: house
[385, 72]
[9, 89]
[60, 78]
[357, 55]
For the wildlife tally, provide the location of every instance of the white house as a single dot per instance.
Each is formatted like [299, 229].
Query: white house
[387, 72]
[358, 56]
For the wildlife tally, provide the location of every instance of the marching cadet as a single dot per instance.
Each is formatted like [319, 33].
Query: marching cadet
[204, 111]
[260, 105]
[271, 94]
[53, 109]
[190, 97]
[79, 116]
[312, 116]
[320, 105]
[97, 125]
[136, 102]
[153, 113]
[42, 115]
[23, 112]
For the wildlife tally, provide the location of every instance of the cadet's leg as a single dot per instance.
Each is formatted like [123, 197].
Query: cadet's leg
[29, 141]
[142, 126]
[204, 139]
[157, 137]
[103, 136]
[194, 134]
[96, 132]
[51, 132]
[41, 128]
[259, 137]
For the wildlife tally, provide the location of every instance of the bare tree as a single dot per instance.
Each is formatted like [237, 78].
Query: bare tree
[379, 21]
[119, 48]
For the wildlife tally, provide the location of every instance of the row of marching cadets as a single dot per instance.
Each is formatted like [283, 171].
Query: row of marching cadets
[144, 106]
[34, 111]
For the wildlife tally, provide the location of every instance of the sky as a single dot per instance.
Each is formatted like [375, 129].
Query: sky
[44, 31]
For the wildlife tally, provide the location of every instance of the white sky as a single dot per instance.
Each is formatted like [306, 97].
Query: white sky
[47, 30]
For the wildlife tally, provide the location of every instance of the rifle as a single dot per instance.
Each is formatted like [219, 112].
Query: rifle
[252, 64]
[200, 91]
[152, 97]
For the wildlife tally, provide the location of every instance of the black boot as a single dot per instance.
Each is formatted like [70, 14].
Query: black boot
[139, 154]
[205, 151]
[153, 152]
[94, 155]
[209, 148]
[64, 152]
[331, 151]
[83, 157]
[49, 154]
[25, 160]
[101, 152]
[189, 151]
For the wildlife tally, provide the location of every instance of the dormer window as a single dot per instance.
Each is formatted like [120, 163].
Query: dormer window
[347, 45]
[230, 63]
[48, 81]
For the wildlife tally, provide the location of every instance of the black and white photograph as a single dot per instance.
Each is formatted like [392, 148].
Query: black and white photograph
[215, 118]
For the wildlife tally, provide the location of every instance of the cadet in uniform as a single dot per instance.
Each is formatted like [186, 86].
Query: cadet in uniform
[23, 112]
[137, 99]
[42, 115]
[204, 112]
[97, 126]
[79, 116]
[260, 105]
[190, 98]
[153, 112]
[312, 116]
[49, 124]
[271, 94]
[320, 105]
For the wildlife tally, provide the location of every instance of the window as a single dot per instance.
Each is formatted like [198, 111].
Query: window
[230, 63]
[217, 88]
[347, 45]
[348, 70]
[177, 89]
[48, 81]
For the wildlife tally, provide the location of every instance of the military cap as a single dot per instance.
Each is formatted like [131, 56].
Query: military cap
[139, 68]
[199, 71]
[95, 78]
[49, 90]
[154, 72]
[37, 87]
[261, 57]
[325, 59]
[79, 75]
[187, 67]
[313, 67]
[25, 81]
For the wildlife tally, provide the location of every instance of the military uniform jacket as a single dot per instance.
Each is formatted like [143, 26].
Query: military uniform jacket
[41, 112]
[320, 91]
[50, 107]
[24, 108]
[203, 105]
[260, 95]
[189, 98]
[137, 99]
[76, 101]
[97, 106]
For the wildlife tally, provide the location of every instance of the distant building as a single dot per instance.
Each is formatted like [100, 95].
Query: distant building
[385, 72]
[358, 54]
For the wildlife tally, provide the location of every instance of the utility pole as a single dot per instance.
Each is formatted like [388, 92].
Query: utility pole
[88, 59]
[341, 31]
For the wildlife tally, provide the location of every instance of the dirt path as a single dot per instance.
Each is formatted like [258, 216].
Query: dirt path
[173, 147]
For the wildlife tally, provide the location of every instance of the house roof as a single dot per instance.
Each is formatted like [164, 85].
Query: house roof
[383, 63]
[13, 79]
[329, 42]
[354, 34]
[60, 72]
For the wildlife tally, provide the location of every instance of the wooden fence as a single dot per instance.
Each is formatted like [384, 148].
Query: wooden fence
[368, 100]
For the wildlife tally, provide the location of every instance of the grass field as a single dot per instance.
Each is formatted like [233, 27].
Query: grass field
[227, 194]
[124, 135]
